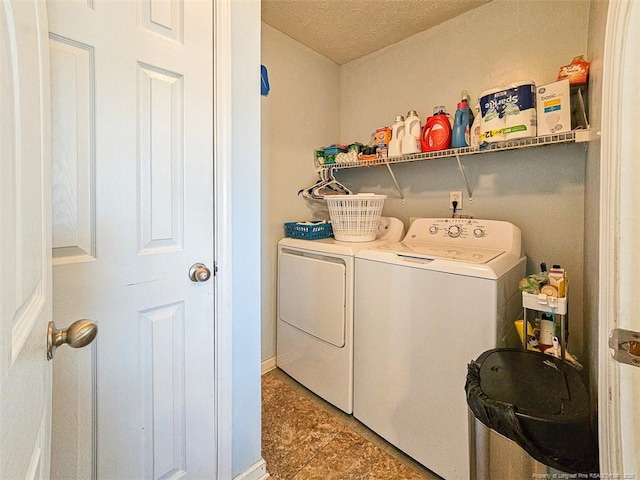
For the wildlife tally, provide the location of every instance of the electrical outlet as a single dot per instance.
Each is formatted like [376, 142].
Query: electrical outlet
[455, 195]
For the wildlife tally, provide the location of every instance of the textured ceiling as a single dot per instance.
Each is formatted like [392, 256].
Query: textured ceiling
[344, 30]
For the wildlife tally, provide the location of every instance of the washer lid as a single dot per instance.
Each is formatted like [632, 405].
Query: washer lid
[450, 252]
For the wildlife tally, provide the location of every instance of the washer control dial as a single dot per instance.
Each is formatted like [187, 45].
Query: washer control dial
[479, 232]
[433, 229]
[454, 231]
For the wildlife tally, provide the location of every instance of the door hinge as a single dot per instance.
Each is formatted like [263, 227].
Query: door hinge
[215, 269]
[625, 346]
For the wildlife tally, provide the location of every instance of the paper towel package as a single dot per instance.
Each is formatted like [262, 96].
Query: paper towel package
[554, 108]
[508, 112]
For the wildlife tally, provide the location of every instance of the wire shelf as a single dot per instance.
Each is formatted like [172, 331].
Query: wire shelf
[573, 136]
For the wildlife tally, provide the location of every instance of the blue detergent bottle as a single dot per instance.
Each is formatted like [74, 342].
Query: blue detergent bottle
[460, 136]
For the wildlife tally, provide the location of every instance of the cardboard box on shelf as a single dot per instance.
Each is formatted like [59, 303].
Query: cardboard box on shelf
[554, 108]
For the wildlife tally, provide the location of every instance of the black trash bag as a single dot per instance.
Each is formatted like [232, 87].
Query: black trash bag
[504, 418]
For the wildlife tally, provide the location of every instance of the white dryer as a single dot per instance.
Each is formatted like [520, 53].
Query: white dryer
[315, 311]
[424, 309]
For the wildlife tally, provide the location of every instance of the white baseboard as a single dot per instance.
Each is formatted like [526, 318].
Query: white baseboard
[268, 364]
[257, 471]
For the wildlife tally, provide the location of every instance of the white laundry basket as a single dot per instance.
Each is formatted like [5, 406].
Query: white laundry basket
[355, 218]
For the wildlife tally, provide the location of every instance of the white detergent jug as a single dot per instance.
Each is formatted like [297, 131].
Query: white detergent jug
[413, 130]
[397, 134]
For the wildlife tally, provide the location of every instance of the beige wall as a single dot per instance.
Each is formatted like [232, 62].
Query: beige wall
[541, 190]
[500, 42]
[301, 112]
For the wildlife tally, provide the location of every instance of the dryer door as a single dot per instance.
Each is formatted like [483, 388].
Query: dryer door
[311, 294]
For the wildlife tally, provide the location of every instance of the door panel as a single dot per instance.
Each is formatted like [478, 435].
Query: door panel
[134, 210]
[25, 272]
[161, 197]
[73, 133]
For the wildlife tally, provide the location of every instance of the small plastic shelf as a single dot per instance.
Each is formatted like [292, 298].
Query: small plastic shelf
[544, 303]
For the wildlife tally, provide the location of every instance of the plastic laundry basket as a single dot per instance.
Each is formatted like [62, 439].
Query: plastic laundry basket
[355, 218]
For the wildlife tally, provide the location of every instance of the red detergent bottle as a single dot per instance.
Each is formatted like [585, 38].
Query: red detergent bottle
[436, 133]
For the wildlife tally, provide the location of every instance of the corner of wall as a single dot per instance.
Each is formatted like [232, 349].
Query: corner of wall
[300, 114]
[246, 217]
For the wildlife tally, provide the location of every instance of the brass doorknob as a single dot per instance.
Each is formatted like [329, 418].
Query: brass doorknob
[199, 273]
[79, 334]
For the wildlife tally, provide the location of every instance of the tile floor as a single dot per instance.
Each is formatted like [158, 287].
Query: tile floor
[304, 437]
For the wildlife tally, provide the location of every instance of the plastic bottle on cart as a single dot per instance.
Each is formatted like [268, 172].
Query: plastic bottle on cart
[411, 139]
[398, 132]
[547, 332]
[436, 133]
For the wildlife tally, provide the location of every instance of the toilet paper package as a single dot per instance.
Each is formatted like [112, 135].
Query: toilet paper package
[554, 108]
[508, 112]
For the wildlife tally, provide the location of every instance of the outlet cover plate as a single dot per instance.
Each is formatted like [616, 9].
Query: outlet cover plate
[455, 195]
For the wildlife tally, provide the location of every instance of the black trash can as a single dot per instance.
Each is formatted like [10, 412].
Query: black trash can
[529, 414]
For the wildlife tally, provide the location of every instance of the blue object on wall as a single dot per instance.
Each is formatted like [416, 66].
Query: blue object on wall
[264, 83]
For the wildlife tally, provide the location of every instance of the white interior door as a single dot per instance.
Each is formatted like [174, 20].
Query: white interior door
[25, 271]
[132, 211]
[619, 384]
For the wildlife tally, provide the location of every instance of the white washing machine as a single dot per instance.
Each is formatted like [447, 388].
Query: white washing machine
[315, 311]
[426, 307]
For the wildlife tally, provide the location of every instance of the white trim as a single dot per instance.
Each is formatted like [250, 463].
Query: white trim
[268, 364]
[611, 169]
[223, 317]
[257, 471]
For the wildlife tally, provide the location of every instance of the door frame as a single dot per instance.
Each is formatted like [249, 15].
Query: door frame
[223, 317]
[617, 111]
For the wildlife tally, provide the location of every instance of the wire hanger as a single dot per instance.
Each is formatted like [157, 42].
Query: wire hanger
[326, 185]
